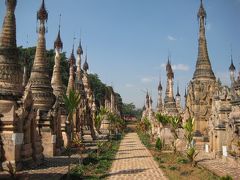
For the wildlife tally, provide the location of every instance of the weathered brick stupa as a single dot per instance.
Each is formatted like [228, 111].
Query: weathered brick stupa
[20, 142]
[203, 83]
[40, 84]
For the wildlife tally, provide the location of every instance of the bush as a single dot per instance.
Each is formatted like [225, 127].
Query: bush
[145, 139]
[78, 171]
[159, 144]
[191, 154]
[226, 178]
[173, 168]
[182, 160]
[91, 159]
[144, 125]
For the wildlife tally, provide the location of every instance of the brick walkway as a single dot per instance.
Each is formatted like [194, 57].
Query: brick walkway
[52, 169]
[219, 166]
[134, 161]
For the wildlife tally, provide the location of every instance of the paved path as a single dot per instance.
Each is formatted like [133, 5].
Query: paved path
[52, 169]
[134, 161]
[219, 166]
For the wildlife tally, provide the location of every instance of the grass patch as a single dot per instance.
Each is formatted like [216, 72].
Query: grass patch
[145, 139]
[175, 165]
[96, 166]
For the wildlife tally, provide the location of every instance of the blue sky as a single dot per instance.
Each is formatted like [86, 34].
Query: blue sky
[128, 41]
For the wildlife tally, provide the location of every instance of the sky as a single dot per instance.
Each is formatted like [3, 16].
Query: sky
[128, 41]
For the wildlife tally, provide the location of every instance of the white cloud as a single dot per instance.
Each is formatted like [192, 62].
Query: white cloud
[177, 67]
[128, 85]
[171, 38]
[163, 65]
[180, 67]
[147, 79]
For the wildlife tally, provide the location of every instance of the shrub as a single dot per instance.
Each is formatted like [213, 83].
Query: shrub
[144, 125]
[226, 178]
[182, 160]
[145, 139]
[173, 168]
[191, 154]
[162, 119]
[159, 144]
[78, 171]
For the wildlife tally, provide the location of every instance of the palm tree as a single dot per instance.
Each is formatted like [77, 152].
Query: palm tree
[71, 103]
[174, 123]
[100, 117]
[191, 149]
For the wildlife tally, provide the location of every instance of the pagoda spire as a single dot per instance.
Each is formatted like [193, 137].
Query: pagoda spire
[56, 81]
[10, 73]
[39, 79]
[178, 94]
[178, 99]
[169, 100]
[71, 71]
[79, 60]
[232, 70]
[170, 76]
[185, 94]
[85, 65]
[203, 65]
[79, 73]
[159, 103]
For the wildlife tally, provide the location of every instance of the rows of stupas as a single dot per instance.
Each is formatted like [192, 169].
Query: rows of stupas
[34, 119]
[215, 108]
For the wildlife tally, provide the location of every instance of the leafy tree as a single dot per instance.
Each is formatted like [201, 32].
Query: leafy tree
[162, 119]
[99, 89]
[131, 110]
[191, 149]
[116, 122]
[174, 123]
[27, 56]
[71, 103]
[188, 127]
[144, 126]
[100, 117]
[119, 102]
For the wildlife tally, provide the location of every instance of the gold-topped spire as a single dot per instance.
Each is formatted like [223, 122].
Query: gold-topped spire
[203, 65]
